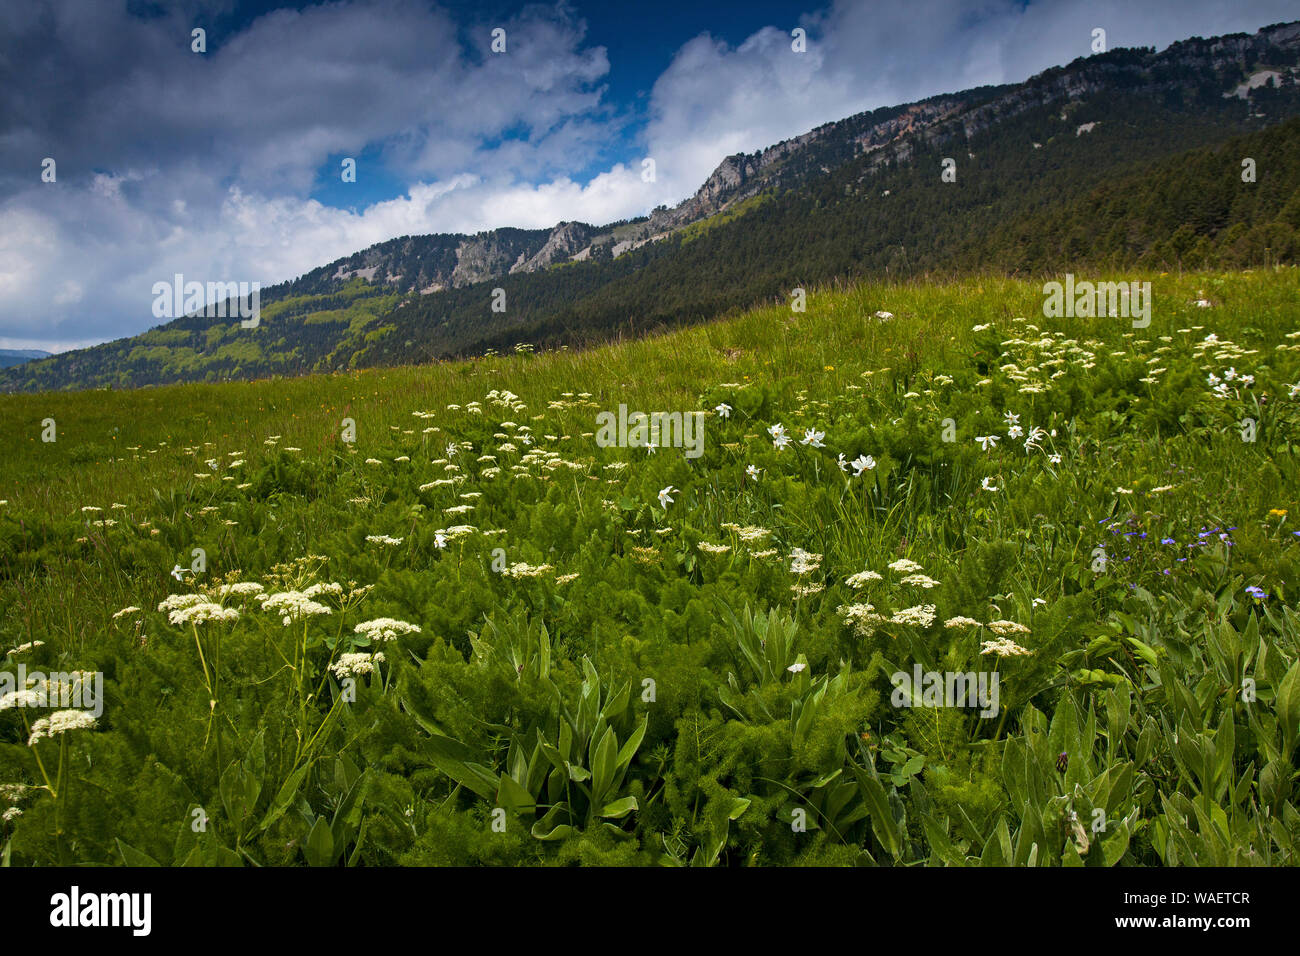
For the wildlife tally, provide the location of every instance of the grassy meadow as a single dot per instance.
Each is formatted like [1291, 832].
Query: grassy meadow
[474, 635]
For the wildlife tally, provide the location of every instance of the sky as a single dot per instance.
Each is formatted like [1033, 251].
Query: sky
[227, 164]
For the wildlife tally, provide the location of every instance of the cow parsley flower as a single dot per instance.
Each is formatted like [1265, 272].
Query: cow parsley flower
[861, 579]
[920, 616]
[383, 629]
[905, 566]
[60, 722]
[292, 605]
[920, 581]
[355, 665]
[1003, 647]
[803, 562]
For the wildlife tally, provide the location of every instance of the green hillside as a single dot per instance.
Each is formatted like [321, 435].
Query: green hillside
[676, 659]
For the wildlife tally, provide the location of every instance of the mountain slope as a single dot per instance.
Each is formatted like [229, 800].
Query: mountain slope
[861, 195]
[10, 357]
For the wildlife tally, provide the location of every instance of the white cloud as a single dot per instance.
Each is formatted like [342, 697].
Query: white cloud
[203, 164]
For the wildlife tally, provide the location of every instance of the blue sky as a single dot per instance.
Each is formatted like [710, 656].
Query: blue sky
[224, 165]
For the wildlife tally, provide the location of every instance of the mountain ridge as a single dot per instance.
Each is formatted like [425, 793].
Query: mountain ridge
[425, 286]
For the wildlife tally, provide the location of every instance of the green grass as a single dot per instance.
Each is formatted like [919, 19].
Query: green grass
[644, 711]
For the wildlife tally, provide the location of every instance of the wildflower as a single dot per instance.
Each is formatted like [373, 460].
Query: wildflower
[861, 617]
[987, 441]
[356, 664]
[961, 622]
[665, 496]
[1257, 593]
[521, 569]
[861, 579]
[125, 611]
[752, 472]
[802, 562]
[1015, 431]
[1054, 458]
[779, 438]
[920, 616]
[384, 540]
[383, 629]
[844, 465]
[1004, 628]
[723, 410]
[861, 464]
[60, 722]
[1003, 647]
[241, 588]
[987, 484]
[292, 605]
[1012, 418]
[905, 566]
[813, 437]
[30, 645]
[920, 581]
[201, 613]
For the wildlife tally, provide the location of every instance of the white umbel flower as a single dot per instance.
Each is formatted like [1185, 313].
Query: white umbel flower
[60, 722]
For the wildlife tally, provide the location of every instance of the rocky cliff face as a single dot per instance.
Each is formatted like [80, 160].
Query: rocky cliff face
[434, 262]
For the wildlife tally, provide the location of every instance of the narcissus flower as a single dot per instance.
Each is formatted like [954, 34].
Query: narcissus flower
[862, 464]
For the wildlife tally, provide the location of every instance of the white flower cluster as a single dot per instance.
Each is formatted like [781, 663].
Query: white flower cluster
[354, 665]
[60, 722]
[521, 569]
[1003, 647]
[292, 605]
[861, 579]
[802, 562]
[383, 629]
[862, 617]
[920, 616]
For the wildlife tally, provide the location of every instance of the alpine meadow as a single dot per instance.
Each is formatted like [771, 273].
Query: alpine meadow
[920, 491]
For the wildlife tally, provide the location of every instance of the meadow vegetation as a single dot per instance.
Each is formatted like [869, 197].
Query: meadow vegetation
[472, 635]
